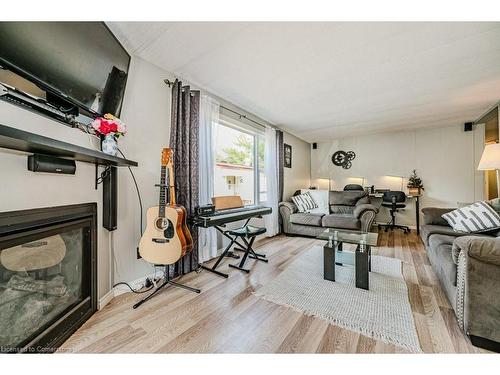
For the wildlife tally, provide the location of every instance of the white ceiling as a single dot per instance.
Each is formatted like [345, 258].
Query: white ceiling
[326, 80]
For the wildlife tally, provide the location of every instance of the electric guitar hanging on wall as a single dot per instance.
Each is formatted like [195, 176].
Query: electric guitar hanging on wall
[167, 237]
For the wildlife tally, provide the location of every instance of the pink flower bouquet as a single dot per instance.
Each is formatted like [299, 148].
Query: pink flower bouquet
[109, 124]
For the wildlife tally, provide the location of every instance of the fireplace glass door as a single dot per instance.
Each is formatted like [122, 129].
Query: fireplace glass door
[42, 277]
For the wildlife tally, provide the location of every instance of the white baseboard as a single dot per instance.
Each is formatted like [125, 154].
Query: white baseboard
[105, 299]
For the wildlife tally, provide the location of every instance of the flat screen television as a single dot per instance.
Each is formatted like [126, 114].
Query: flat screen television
[80, 64]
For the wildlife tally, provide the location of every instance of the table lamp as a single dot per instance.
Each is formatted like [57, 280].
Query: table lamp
[490, 160]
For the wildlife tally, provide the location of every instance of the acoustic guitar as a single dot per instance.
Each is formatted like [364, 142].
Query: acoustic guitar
[167, 237]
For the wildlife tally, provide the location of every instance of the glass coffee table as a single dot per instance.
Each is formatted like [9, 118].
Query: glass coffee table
[333, 253]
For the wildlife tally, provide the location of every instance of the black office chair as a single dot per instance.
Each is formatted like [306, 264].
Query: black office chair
[353, 187]
[394, 200]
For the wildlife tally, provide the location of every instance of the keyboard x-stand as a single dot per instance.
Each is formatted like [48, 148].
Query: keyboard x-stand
[219, 219]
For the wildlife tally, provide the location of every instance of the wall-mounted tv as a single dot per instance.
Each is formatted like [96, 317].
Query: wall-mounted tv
[77, 63]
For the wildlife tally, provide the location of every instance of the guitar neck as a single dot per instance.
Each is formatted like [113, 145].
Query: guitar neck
[171, 182]
[163, 192]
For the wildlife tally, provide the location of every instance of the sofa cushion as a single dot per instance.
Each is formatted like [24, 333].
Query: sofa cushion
[363, 200]
[304, 202]
[346, 198]
[321, 198]
[432, 215]
[495, 203]
[474, 218]
[306, 219]
[340, 209]
[427, 230]
[440, 255]
[343, 221]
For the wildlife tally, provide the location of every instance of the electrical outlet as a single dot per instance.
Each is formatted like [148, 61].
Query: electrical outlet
[148, 283]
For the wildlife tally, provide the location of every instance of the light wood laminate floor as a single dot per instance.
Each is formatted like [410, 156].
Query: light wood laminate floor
[227, 318]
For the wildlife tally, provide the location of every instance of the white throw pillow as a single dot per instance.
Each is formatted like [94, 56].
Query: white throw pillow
[304, 202]
[474, 218]
[321, 197]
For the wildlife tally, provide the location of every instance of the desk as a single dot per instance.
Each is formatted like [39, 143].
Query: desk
[417, 206]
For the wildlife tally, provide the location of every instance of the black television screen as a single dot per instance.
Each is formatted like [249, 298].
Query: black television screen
[77, 61]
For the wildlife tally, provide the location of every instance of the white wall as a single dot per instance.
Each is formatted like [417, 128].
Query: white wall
[445, 158]
[297, 177]
[146, 110]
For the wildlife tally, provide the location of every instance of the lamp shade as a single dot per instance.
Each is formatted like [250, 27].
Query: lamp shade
[490, 158]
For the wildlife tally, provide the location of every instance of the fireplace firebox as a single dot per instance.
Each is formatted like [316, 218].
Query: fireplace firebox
[48, 275]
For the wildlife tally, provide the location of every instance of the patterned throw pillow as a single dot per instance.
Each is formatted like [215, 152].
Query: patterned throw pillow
[304, 202]
[474, 218]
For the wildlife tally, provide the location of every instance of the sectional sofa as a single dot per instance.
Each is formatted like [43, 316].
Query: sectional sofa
[468, 268]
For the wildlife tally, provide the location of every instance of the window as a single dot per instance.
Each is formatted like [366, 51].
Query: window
[236, 170]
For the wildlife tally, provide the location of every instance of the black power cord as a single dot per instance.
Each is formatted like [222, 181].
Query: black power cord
[149, 287]
[132, 289]
[137, 189]
[104, 174]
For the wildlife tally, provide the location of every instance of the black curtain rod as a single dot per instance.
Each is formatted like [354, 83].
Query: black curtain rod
[243, 116]
[170, 83]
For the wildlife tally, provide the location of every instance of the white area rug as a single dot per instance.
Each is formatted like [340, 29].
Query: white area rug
[383, 312]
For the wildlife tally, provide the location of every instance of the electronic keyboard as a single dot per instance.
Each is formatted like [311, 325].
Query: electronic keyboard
[221, 217]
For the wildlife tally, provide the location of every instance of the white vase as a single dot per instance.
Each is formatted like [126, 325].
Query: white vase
[109, 145]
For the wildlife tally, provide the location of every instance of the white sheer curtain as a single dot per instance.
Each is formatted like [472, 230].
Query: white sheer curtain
[271, 173]
[209, 116]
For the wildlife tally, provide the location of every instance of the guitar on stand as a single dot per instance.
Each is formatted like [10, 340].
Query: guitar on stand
[167, 237]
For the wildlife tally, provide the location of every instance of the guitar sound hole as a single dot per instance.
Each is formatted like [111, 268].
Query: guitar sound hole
[162, 223]
[166, 226]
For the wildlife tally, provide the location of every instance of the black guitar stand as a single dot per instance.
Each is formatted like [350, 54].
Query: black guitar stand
[165, 283]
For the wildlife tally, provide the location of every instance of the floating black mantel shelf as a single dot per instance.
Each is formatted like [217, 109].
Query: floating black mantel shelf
[20, 140]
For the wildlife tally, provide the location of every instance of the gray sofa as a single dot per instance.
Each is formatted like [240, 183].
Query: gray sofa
[347, 210]
[468, 268]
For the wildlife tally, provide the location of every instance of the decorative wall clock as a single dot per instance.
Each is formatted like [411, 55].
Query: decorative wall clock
[343, 158]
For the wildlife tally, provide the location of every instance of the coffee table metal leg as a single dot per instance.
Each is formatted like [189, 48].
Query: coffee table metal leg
[339, 248]
[369, 251]
[361, 269]
[328, 263]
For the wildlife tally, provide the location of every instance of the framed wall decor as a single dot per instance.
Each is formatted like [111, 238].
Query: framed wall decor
[287, 157]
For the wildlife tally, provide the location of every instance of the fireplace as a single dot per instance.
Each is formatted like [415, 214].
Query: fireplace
[48, 275]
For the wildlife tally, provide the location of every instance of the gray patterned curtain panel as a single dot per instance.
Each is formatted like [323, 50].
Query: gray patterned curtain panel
[279, 150]
[184, 142]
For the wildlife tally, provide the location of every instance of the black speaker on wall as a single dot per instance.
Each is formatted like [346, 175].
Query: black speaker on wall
[468, 126]
[109, 199]
[315, 146]
[51, 164]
